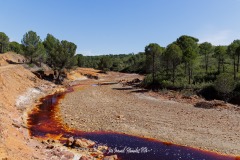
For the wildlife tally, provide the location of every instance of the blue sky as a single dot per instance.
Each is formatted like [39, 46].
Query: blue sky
[122, 26]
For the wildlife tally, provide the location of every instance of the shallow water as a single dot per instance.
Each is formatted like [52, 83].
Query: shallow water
[43, 122]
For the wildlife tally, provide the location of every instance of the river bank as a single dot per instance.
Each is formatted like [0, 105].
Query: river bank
[20, 89]
[126, 110]
[20, 92]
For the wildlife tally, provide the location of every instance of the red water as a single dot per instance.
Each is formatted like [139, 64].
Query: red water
[44, 123]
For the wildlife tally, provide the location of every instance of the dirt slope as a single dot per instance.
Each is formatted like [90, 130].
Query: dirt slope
[14, 80]
[14, 140]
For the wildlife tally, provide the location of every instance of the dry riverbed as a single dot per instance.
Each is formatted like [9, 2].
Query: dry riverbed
[122, 109]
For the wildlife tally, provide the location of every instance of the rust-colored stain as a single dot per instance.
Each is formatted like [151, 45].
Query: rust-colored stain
[44, 123]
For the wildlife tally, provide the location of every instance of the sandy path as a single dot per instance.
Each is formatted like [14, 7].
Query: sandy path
[110, 108]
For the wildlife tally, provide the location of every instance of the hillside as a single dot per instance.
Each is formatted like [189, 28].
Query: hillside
[15, 83]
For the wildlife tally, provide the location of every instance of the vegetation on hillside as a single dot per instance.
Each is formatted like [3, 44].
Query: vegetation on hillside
[184, 63]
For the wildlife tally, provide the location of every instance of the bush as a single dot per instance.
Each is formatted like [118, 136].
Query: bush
[31, 65]
[237, 87]
[209, 93]
[224, 83]
[148, 82]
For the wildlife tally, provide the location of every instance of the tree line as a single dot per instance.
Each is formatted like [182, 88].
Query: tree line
[187, 62]
[183, 63]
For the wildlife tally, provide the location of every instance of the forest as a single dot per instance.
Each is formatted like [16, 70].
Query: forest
[183, 64]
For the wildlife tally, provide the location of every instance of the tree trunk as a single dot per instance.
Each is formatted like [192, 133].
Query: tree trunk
[40, 62]
[167, 67]
[206, 63]
[58, 77]
[219, 61]
[234, 68]
[185, 68]
[223, 66]
[153, 69]
[189, 74]
[1, 49]
[238, 63]
[173, 74]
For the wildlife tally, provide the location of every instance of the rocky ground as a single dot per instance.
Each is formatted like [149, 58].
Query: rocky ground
[188, 121]
[105, 104]
[20, 90]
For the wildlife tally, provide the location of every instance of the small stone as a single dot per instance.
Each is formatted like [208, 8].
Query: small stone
[113, 157]
[89, 142]
[80, 143]
[102, 148]
[83, 143]
[57, 153]
[49, 146]
[83, 158]
[68, 155]
[120, 117]
[99, 156]
[70, 141]
[16, 124]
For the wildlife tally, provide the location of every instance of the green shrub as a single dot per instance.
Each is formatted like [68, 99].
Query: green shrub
[224, 83]
[31, 65]
[148, 82]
